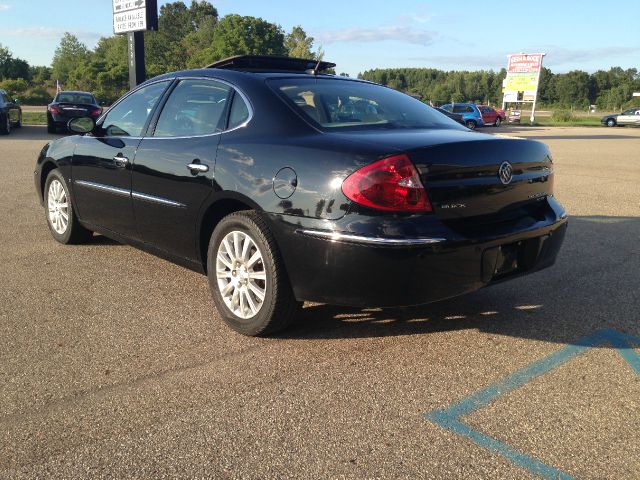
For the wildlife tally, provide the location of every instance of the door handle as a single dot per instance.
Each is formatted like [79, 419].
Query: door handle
[198, 168]
[120, 160]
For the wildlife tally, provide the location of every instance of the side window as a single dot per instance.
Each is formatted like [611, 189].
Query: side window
[129, 117]
[195, 107]
[239, 112]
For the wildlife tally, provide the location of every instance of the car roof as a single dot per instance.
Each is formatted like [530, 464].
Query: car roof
[74, 92]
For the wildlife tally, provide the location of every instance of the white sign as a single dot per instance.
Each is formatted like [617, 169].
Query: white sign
[130, 21]
[510, 97]
[120, 6]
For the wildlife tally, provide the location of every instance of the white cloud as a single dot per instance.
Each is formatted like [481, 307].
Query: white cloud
[400, 33]
[54, 33]
[4, 7]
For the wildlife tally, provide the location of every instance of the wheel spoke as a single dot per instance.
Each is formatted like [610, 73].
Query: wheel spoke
[258, 292]
[254, 258]
[224, 261]
[225, 291]
[246, 245]
[64, 216]
[236, 245]
[252, 304]
[228, 249]
[241, 294]
[258, 275]
[223, 274]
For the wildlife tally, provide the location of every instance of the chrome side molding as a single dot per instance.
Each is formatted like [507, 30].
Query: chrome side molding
[367, 240]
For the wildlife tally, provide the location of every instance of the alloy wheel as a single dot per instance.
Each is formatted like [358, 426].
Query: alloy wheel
[58, 205]
[241, 274]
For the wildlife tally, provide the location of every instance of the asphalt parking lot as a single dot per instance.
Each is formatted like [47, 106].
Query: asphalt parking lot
[114, 364]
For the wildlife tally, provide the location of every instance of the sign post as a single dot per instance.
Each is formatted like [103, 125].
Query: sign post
[133, 17]
[523, 77]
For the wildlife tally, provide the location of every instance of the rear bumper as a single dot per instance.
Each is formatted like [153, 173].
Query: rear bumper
[383, 271]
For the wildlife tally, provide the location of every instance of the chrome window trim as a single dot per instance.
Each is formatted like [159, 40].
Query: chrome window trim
[126, 193]
[368, 240]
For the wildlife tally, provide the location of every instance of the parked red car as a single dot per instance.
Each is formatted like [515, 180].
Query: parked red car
[492, 116]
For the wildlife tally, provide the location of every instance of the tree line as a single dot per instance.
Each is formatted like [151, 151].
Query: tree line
[610, 90]
[194, 36]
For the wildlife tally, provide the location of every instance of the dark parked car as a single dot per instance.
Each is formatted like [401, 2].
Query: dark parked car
[10, 113]
[67, 105]
[453, 116]
[628, 117]
[285, 185]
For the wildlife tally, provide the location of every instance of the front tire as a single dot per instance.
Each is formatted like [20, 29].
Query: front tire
[19, 124]
[61, 218]
[498, 122]
[611, 122]
[247, 278]
[470, 124]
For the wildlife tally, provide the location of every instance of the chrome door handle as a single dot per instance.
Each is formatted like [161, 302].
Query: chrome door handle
[198, 168]
[121, 161]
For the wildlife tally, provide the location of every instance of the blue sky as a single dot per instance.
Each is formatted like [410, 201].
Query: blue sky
[358, 35]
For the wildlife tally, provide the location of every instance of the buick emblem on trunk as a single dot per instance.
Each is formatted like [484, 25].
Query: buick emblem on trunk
[505, 172]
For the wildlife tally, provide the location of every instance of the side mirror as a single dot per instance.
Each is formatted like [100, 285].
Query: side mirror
[82, 125]
[16, 100]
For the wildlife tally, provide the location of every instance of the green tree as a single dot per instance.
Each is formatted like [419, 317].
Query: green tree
[69, 54]
[238, 35]
[299, 45]
[11, 67]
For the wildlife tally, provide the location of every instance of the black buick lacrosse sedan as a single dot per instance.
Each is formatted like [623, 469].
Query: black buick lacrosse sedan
[283, 184]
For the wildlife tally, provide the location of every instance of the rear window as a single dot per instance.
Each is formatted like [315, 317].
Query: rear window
[75, 98]
[335, 104]
[462, 109]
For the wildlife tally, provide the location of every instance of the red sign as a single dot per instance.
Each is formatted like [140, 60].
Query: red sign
[525, 63]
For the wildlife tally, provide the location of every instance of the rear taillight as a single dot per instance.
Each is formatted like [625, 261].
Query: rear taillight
[54, 109]
[390, 184]
[96, 112]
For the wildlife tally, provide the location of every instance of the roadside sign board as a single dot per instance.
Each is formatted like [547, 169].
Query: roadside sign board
[523, 76]
[134, 15]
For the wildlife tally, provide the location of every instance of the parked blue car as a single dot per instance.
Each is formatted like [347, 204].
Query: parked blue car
[469, 111]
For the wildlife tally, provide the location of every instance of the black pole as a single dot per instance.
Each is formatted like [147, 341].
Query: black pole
[137, 73]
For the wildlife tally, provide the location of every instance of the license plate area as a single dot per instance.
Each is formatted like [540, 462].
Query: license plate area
[511, 258]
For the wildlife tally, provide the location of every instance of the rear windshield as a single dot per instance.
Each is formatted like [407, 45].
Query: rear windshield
[335, 104]
[75, 98]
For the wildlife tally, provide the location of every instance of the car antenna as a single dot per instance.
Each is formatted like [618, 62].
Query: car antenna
[317, 68]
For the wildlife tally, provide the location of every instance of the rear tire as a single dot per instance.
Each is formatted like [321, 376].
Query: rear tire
[51, 127]
[611, 122]
[6, 125]
[498, 122]
[61, 218]
[470, 124]
[247, 278]
[19, 124]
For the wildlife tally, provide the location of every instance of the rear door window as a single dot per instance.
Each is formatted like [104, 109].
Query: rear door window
[194, 108]
[239, 112]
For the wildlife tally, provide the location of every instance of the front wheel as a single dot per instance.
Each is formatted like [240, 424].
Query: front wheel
[61, 219]
[470, 124]
[611, 122]
[498, 121]
[19, 124]
[247, 277]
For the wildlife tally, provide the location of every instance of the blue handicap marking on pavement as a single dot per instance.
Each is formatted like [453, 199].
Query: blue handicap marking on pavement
[450, 417]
